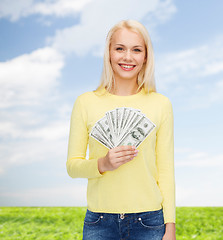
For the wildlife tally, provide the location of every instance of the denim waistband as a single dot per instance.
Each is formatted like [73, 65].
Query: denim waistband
[128, 215]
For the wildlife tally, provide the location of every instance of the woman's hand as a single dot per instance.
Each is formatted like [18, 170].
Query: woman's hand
[116, 157]
[170, 233]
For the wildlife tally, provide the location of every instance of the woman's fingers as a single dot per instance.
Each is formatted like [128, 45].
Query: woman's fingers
[117, 156]
[119, 163]
[123, 148]
[124, 153]
[126, 156]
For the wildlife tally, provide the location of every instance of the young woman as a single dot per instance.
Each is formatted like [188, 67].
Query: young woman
[129, 129]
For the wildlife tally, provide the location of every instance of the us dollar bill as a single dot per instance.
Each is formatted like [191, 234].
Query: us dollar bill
[98, 135]
[138, 133]
[104, 127]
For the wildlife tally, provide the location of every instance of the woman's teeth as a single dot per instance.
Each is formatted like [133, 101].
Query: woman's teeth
[127, 66]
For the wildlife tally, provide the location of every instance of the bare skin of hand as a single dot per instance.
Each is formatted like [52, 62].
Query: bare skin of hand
[115, 157]
[170, 233]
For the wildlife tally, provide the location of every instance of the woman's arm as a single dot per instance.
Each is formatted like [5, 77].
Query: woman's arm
[170, 233]
[77, 164]
[165, 161]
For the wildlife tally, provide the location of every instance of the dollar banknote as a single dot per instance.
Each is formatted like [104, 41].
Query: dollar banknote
[122, 126]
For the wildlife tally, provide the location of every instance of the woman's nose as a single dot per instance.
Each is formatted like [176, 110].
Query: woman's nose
[127, 55]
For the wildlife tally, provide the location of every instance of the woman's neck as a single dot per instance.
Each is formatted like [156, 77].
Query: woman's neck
[125, 89]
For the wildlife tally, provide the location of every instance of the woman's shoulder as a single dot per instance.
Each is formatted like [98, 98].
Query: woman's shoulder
[162, 102]
[161, 98]
[87, 99]
[85, 96]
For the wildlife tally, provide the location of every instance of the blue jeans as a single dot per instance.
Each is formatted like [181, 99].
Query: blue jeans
[130, 226]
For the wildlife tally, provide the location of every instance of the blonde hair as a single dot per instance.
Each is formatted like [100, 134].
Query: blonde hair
[146, 75]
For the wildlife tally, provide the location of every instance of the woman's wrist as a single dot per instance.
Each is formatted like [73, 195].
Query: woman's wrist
[170, 227]
[101, 165]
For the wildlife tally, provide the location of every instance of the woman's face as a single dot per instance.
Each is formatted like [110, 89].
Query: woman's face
[127, 54]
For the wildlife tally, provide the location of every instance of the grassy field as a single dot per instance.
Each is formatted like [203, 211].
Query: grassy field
[52, 223]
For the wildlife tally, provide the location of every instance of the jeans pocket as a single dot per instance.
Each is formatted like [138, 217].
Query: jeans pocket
[92, 218]
[152, 220]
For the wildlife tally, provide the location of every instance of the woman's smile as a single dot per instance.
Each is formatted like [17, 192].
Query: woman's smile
[127, 67]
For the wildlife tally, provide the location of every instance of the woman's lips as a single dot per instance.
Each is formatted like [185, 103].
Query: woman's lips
[127, 67]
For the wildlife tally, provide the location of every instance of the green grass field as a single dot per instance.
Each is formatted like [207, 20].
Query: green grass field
[51, 223]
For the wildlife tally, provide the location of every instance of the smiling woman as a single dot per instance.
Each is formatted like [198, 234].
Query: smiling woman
[129, 129]
[129, 38]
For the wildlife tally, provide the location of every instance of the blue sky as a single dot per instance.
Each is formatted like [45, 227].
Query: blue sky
[51, 52]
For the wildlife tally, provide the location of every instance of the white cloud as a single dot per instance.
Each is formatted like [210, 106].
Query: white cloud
[15, 9]
[32, 135]
[192, 195]
[194, 76]
[28, 94]
[198, 176]
[203, 95]
[67, 195]
[89, 34]
[216, 95]
[24, 80]
[162, 13]
[54, 131]
[190, 65]
[23, 8]
[60, 7]
[28, 151]
[192, 158]
[24, 128]
[182, 150]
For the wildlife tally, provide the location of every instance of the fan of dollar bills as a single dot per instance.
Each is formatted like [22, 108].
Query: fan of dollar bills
[122, 126]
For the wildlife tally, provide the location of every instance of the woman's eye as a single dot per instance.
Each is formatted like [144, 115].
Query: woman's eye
[137, 50]
[119, 49]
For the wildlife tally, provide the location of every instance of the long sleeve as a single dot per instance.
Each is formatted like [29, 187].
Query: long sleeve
[165, 162]
[77, 164]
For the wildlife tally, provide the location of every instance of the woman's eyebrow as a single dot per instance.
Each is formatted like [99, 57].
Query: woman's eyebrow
[119, 44]
[124, 45]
